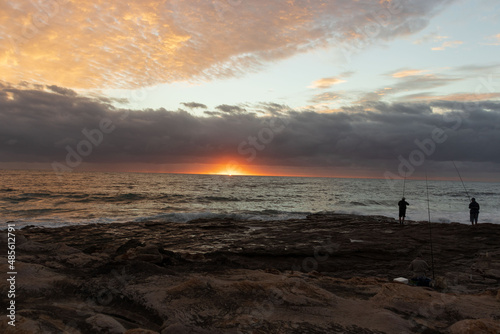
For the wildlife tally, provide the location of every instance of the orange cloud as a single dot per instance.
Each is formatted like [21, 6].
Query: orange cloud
[451, 44]
[408, 73]
[464, 97]
[326, 82]
[116, 44]
[326, 97]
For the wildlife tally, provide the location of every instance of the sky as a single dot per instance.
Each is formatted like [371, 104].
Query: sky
[337, 88]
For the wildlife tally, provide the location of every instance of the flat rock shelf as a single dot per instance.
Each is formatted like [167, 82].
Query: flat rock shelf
[328, 273]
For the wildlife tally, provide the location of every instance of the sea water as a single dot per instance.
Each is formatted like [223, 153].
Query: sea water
[44, 198]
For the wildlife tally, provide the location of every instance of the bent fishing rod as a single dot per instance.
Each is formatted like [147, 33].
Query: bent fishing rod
[460, 176]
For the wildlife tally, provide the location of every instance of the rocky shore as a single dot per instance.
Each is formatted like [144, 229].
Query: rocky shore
[329, 273]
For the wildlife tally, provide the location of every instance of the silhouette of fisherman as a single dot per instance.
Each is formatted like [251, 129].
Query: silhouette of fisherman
[474, 211]
[402, 210]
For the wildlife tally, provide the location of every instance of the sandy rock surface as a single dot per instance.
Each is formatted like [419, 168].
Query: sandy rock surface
[329, 273]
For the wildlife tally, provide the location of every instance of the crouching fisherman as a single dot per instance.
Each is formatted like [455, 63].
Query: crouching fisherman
[419, 268]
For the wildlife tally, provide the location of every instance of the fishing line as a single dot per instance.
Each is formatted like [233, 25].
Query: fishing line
[430, 227]
[460, 176]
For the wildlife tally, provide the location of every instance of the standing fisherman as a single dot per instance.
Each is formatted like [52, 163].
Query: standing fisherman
[402, 210]
[474, 211]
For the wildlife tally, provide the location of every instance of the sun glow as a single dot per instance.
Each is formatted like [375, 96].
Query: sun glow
[231, 168]
[230, 171]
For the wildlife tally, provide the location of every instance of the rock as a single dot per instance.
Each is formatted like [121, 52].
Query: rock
[78, 260]
[34, 278]
[140, 331]
[19, 238]
[475, 326]
[440, 283]
[63, 249]
[229, 276]
[492, 273]
[182, 329]
[105, 324]
[22, 326]
[36, 247]
[147, 253]
[133, 243]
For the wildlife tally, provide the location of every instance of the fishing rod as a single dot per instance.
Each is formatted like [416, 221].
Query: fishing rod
[404, 184]
[460, 176]
[430, 227]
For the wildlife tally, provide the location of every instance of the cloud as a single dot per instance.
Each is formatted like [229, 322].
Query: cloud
[326, 82]
[449, 44]
[230, 109]
[62, 90]
[463, 97]
[408, 73]
[194, 105]
[410, 80]
[326, 97]
[493, 40]
[38, 126]
[422, 82]
[271, 108]
[476, 70]
[435, 37]
[112, 44]
[432, 37]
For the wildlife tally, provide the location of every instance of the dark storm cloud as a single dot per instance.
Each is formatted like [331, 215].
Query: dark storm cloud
[39, 126]
[194, 105]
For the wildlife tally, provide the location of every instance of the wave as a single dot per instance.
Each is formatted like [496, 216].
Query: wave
[52, 221]
[171, 198]
[217, 199]
[170, 217]
[184, 217]
[119, 198]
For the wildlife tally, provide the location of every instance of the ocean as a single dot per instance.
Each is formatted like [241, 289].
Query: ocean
[44, 198]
